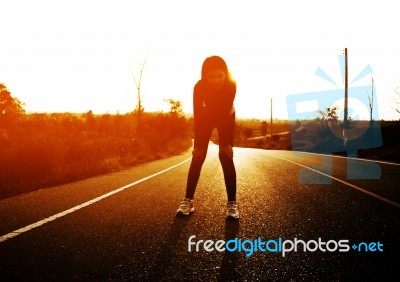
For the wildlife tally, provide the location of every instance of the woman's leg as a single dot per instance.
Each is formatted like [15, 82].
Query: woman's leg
[226, 131]
[199, 155]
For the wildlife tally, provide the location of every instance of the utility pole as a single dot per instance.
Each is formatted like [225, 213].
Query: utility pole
[371, 102]
[346, 86]
[271, 118]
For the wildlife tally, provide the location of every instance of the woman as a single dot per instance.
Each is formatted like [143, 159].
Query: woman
[213, 107]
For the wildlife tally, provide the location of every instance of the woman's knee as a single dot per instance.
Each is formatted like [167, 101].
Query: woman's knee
[226, 152]
[199, 155]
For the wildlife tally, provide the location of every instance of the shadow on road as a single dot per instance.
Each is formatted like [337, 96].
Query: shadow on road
[229, 270]
[168, 250]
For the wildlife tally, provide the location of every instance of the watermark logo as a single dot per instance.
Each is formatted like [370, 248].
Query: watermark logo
[318, 125]
[279, 245]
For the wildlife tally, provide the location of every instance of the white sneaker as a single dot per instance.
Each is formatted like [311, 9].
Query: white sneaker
[232, 210]
[185, 207]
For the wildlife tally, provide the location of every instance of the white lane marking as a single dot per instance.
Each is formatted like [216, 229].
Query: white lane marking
[88, 203]
[397, 205]
[358, 159]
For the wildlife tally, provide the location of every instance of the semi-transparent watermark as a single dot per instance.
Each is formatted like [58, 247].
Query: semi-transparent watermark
[280, 245]
[317, 125]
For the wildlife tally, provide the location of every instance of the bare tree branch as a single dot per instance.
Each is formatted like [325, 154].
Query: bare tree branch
[397, 91]
[138, 82]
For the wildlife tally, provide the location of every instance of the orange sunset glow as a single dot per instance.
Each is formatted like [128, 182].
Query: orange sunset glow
[75, 56]
[207, 140]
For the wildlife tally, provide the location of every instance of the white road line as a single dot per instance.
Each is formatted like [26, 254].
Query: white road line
[88, 203]
[358, 159]
[397, 205]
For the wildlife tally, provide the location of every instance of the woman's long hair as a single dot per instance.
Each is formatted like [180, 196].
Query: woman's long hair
[213, 63]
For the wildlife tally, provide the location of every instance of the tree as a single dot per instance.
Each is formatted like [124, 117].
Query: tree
[328, 117]
[175, 107]
[11, 108]
[332, 114]
[397, 91]
[264, 127]
[138, 81]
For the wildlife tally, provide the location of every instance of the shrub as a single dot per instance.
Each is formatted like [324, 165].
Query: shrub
[47, 149]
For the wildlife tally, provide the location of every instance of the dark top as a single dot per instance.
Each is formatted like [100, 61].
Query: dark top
[210, 106]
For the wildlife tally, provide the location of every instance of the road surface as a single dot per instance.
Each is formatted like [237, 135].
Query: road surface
[122, 226]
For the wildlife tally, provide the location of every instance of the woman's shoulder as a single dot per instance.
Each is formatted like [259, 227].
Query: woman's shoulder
[200, 84]
[231, 84]
[200, 88]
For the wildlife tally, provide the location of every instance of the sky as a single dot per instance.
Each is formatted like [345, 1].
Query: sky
[76, 56]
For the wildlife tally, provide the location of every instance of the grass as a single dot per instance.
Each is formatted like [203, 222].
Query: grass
[42, 150]
[314, 136]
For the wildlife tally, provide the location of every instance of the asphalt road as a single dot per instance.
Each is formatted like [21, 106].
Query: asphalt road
[122, 226]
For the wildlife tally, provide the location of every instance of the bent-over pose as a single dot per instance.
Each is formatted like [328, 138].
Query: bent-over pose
[213, 98]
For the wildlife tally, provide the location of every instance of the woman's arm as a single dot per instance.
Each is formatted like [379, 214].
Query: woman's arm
[198, 111]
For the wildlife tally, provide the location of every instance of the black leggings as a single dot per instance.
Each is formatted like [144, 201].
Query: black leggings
[226, 131]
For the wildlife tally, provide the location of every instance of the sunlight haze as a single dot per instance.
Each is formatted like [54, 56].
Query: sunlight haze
[75, 56]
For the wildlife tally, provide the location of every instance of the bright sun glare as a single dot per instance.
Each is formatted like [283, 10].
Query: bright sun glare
[75, 56]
